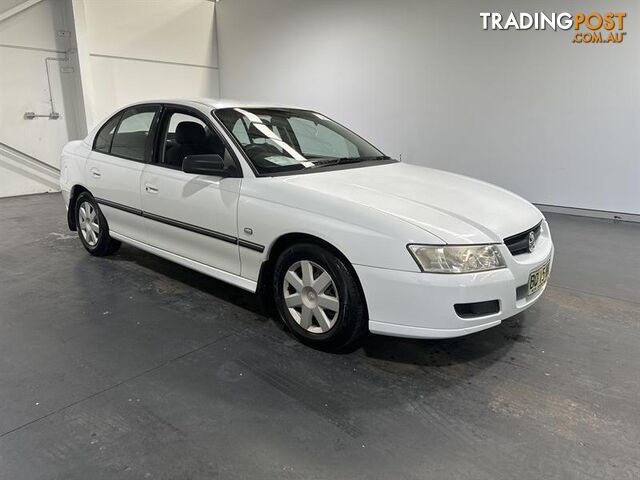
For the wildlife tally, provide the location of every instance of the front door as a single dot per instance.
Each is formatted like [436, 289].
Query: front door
[194, 216]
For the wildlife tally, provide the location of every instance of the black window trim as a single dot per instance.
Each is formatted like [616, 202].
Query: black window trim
[148, 149]
[170, 108]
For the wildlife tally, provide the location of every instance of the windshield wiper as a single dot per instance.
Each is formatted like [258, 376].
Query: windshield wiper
[344, 160]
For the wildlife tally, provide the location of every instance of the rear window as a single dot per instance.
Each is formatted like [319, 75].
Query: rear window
[130, 139]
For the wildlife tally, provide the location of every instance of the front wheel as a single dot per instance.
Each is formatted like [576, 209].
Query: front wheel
[318, 298]
[93, 229]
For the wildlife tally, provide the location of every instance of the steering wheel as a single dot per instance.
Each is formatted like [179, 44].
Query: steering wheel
[261, 150]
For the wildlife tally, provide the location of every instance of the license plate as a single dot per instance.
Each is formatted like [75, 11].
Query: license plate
[537, 278]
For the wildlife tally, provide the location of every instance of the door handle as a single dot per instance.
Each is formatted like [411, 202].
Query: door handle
[151, 188]
[95, 173]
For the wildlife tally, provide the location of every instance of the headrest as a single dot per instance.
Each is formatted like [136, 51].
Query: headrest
[190, 133]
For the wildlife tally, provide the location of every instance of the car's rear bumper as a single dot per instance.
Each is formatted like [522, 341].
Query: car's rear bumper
[421, 305]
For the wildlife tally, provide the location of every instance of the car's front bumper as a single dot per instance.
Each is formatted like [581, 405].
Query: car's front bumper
[421, 305]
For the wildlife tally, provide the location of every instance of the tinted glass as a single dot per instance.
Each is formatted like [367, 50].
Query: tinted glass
[103, 139]
[282, 140]
[186, 134]
[179, 117]
[130, 140]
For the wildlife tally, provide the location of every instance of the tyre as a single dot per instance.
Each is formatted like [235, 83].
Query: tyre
[319, 299]
[92, 227]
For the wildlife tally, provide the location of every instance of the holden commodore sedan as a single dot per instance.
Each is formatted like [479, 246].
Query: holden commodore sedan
[289, 204]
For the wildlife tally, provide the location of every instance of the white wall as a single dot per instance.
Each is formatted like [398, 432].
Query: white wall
[26, 39]
[120, 51]
[555, 122]
[138, 50]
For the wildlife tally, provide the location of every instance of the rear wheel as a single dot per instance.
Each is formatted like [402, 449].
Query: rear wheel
[318, 298]
[92, 227]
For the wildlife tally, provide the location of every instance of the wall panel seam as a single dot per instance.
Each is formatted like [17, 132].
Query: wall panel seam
[149, 60]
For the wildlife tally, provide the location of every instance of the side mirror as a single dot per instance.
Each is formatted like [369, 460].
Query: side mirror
[207, 164]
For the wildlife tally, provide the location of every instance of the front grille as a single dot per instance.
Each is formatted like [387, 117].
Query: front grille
[519, 244]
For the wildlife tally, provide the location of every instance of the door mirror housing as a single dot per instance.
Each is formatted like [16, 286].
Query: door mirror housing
[206, 164]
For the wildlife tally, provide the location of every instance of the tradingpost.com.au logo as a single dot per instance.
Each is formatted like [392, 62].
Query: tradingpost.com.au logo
[592, 27]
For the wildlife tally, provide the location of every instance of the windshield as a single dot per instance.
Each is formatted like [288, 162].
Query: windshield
[283, 140]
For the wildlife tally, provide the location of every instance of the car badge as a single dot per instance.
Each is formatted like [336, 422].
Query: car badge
[532, 241]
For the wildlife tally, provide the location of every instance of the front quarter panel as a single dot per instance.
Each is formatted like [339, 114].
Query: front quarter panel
[270, 208]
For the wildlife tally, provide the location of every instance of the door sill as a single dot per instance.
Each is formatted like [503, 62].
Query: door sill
[227, 277]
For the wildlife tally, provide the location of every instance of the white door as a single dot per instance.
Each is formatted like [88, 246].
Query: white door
[114, 169]
[194, 216]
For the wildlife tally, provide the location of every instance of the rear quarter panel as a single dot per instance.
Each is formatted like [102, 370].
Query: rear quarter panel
[72, 167]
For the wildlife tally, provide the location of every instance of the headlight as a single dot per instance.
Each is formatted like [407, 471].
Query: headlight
[457, 258]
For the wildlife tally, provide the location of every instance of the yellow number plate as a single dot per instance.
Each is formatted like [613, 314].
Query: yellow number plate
[537, 278]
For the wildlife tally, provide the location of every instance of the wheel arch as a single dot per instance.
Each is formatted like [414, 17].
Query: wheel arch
[287, 240]
[75, 192]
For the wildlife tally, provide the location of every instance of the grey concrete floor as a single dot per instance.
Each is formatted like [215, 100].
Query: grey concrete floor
[132, 367]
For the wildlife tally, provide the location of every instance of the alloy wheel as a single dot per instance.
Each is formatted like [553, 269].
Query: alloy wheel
[88, 220]
[311, 296]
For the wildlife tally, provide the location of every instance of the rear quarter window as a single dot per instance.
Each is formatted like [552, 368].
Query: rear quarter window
[104, 137]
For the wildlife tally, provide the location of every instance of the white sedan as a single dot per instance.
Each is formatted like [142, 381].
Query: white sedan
[292, 205]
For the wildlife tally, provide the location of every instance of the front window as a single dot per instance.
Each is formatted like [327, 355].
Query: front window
[184, 134]
[287, 140]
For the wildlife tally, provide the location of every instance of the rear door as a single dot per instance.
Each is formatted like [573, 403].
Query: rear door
[194, 216]
[115, 167]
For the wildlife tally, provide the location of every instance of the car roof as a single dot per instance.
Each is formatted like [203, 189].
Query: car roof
[216, 104]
